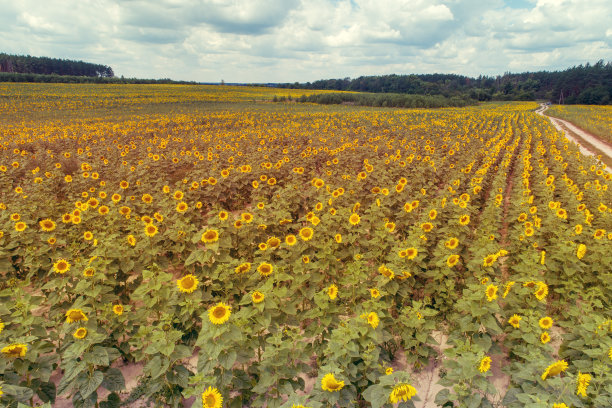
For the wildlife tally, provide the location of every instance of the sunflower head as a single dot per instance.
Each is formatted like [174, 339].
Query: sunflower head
[80, 333]
[354, 219]
[485, 364]
[257, 297]
[515, 321]
[118, 309]
[187, 284]
[329, 383]
[209, 236]
[219, 313]
[211, 398]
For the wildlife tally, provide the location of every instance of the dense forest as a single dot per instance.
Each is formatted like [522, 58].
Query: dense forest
[391, 100]
[584, 84]
[25, 64]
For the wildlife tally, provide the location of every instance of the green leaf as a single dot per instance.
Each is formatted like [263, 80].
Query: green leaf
[91, 384]
[97, 356]
[47, 392]
[113, 380]
[22, 394]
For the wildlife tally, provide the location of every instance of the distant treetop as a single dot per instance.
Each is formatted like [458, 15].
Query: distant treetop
[26, 64]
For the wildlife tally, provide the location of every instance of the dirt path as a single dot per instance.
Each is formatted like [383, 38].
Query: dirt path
[575, 134]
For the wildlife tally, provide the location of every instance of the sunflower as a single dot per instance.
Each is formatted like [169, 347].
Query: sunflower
[246, 217]
[243, 268]
[402, 392]
[452, 260]
[20, 226]
[408, 207]
[411, 253]
[554, 369]
[124, 184]
[15, 217]
[118, 310]
[89, 272]
[582, 383]
[544, 337]
[375, 293]
[257, 297]
[66, 218]
[599, 234]
[151, 230]
[488, 260]
[515, 321]
[87, 235]
[265, 269]
[211, 398]
[332, 291]
[581, 251]
[428, 226]
[329, 383]
[1, 325]
[542, 291]
[115, 198]
[560, 405]
[47, 225]
[354, 219]
[223, 215]
[187, 284]
[485, 364]
[273, 242]
[546, 323]
[80, 333]
[385, 271]
[219, 313]
[209, 236]
[15, 350]
[178, 195]
[578, 229]
[103, 210]
[373, 319]
[306, 233]
[182, 207]
[491, 292]
[433, 214]
[451, 243]
[75, 315]
[61, 266]
[464, 219]
[338, 238]
[131, 240]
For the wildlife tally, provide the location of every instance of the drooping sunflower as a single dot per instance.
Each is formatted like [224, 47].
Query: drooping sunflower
[452, 260]
[329, 383]
[385, 271]
[219, 313]
[485, 364]
[187, 284]
[47, 225]
[354, 219]
[257, 297]
[515, 321]
[265, 269]
[61, 266]
[554, 369]
[541, 291]
[332, 291]
[306, 233]
[211, 398]
[581, 251]
[15, 350]
[402, 392]
[80, 333]
[507, 288]
[209, 236]
[75, 315]
[491, 292]
[582, 382]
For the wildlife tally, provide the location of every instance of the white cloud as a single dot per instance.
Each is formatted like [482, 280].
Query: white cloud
[305, 40]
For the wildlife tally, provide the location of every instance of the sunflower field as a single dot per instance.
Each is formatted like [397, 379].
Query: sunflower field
[244, 253]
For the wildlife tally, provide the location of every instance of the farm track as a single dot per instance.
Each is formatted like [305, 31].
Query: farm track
[588, 143]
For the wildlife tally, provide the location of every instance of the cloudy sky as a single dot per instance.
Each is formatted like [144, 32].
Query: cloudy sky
[305, 40]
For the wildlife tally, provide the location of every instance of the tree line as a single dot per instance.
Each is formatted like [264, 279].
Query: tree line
[391, 100]
[583, 84]
[26, 64]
